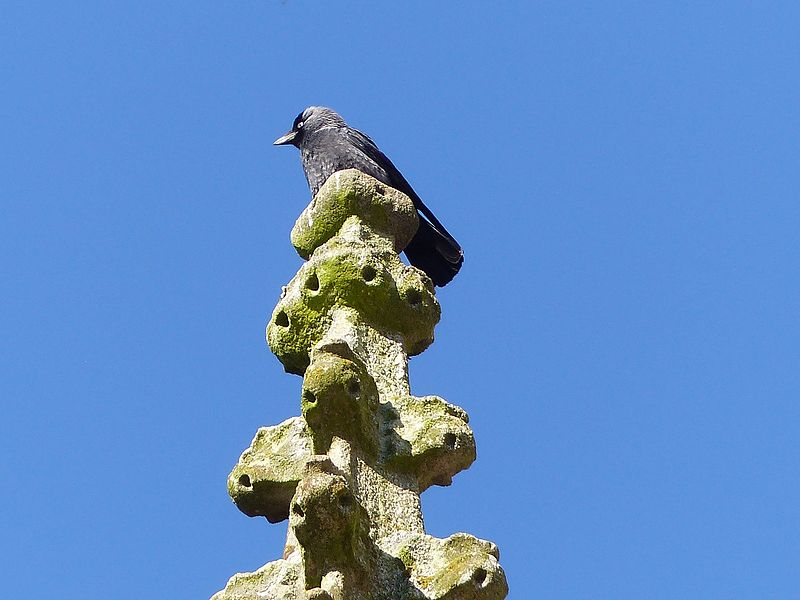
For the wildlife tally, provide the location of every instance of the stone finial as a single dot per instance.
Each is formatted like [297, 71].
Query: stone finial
[348, 472]
[388, 212]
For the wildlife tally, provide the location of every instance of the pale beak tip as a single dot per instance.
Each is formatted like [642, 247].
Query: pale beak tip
[285, 139]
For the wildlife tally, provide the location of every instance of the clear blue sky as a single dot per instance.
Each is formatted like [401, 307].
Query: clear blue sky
[624, 333]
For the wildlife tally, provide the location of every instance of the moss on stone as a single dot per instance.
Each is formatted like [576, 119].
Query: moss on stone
[460, 567]
[432, 440]
[340, 399]
[329, 523]
[276, 580]
[264, 480]
[386, 293]
[349, 472]
[350, 192]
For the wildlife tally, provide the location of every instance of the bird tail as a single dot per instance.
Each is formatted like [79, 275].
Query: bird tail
[436, 253]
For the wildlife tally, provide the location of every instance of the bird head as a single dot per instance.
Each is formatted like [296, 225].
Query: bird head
[312, 119]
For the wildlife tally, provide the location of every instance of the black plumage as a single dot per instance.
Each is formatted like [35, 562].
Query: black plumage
[328, 145]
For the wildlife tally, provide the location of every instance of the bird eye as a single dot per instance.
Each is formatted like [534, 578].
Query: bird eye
[300, 124]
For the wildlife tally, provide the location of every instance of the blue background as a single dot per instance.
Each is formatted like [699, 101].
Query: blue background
[624, 333]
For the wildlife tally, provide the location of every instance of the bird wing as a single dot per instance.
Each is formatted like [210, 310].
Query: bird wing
[364, 144]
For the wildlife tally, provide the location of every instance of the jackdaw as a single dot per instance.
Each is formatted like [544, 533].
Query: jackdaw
[328, 145]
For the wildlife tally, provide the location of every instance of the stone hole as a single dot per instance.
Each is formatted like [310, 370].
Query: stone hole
[450, 440]
[312, 283]
[297, 510]
[244, 480]
[355, 388]
[479, 576]
[368, 273]
[282, 320]
[414, 297]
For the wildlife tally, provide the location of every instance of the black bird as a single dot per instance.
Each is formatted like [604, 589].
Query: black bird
[328, 145]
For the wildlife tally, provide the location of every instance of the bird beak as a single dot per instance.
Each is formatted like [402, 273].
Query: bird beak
[285, 139]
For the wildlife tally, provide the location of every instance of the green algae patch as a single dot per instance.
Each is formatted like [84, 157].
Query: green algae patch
[264, 480]
[279, 579]
[348, 473]
[350, 192]
[340, 399]
[432, 440]
[329, 523]
[461, 567]
[387, 294]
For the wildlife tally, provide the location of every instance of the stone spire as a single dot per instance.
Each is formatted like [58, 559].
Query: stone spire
[348, 473]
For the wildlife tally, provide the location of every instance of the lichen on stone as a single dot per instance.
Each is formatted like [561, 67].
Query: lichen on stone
[393, 297]
[348, 472]
[433, 439]
[460, 567]
[352, 193]
[263, 481]
[277, 580]
[339, 398]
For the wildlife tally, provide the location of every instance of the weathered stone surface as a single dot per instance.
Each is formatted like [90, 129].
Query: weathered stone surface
[460, 567]
[349, 472]
[330, 525]
[340, 399]
[384, 356]
[427, 438]
[264, 480]
[430, 438]
[354, 271]
[277, 580]
[347, 193]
